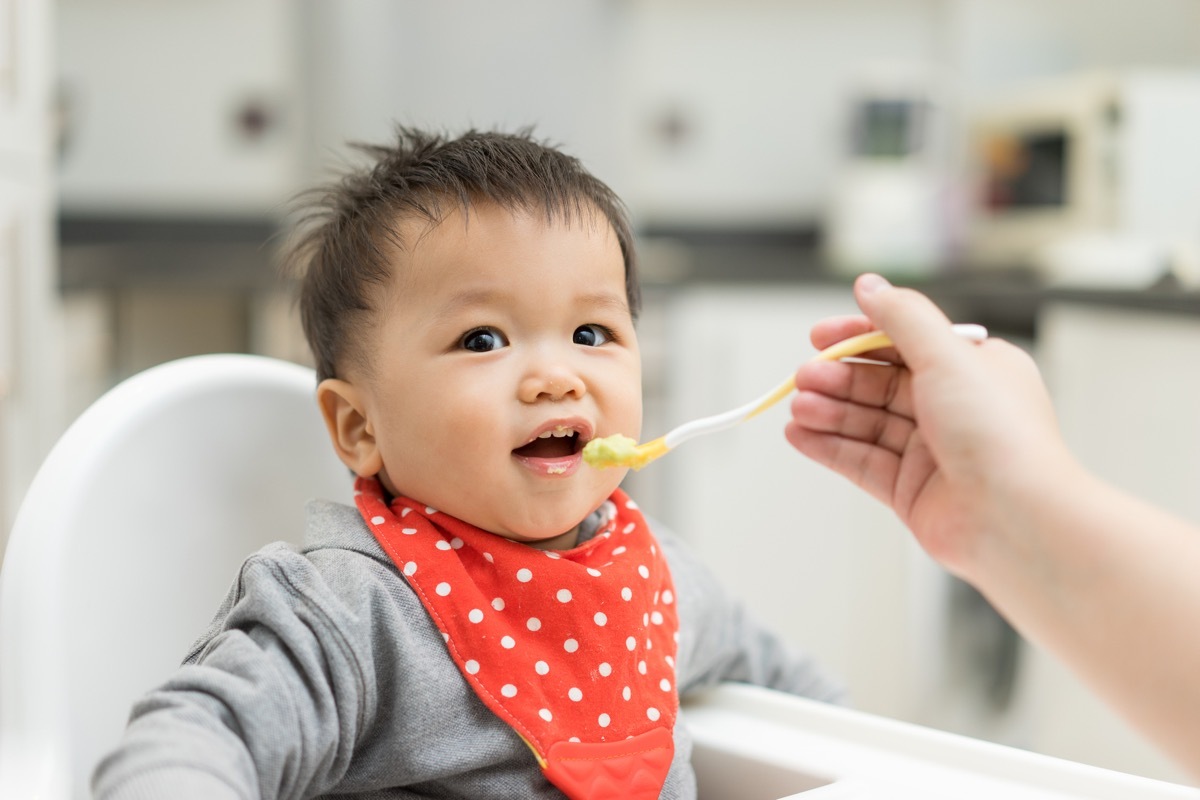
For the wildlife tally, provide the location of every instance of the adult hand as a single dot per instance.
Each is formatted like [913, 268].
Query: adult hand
[961, 441]
[949, 437]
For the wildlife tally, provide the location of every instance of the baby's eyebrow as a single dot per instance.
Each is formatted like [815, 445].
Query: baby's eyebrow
[604, 301]
[467, 299]
[481, 297]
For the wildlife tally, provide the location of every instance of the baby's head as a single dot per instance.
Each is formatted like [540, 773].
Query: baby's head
[470, 303]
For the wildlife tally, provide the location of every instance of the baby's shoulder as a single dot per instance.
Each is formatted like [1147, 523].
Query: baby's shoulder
[337, 564]
[339, 587]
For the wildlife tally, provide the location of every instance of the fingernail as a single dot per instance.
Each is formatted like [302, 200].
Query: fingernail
[871, 283]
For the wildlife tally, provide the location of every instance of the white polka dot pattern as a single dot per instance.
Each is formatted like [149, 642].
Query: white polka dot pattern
[576, 646]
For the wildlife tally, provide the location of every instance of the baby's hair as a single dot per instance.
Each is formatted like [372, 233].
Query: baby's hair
[346, 230]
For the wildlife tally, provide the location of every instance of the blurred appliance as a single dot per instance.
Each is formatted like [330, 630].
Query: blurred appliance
[886, 209]
[1090, 178]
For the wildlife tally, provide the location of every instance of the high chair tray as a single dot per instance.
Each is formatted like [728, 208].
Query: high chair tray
[757, 744]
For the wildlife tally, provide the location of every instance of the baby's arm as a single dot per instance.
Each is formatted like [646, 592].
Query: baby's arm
[268, 707]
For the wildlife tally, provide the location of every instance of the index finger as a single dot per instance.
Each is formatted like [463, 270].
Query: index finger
[833, 330]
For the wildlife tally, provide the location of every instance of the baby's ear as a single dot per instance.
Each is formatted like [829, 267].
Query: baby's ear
[349, 427]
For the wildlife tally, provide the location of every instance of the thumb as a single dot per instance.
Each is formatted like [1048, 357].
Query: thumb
[919, 330]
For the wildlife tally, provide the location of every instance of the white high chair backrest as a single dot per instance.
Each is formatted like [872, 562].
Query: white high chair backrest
[129, 536]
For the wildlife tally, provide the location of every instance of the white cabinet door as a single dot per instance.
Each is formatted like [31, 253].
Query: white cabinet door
[1126, 387]
[1126, 384]
[810, 554]
[180, 108]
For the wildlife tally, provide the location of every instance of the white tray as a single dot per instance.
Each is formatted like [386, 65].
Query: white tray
[756, 744]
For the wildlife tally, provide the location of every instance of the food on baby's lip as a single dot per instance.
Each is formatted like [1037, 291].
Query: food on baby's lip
[617, 450]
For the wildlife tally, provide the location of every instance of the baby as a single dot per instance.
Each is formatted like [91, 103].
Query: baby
[494, 618]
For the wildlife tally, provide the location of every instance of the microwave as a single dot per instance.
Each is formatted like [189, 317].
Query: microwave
[1092, 176]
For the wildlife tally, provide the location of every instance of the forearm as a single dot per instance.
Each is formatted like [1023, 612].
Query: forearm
[178, 783]
[1111, 585]
[178, 745]
[271, 704]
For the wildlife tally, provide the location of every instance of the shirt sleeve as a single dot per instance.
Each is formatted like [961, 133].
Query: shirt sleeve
[269, 704]
[720, 641]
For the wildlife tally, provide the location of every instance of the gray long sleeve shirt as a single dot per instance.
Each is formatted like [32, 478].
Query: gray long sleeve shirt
[322, 674]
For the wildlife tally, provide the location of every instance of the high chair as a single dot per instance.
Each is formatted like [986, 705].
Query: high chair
[137, 521]
[128, 539]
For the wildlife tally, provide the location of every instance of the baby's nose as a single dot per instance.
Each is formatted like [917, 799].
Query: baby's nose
[552, 383]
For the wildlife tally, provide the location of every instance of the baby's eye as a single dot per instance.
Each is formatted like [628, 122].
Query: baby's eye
[483, 340]
[592, 335]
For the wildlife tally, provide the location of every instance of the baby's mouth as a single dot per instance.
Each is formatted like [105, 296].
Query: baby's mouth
[552, 444]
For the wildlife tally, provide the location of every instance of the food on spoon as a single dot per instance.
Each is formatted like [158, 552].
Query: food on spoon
[617, 450]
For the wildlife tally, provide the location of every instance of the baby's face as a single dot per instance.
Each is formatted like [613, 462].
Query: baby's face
[504, 345]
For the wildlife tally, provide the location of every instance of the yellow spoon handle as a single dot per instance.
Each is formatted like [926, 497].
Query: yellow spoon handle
[855, 345]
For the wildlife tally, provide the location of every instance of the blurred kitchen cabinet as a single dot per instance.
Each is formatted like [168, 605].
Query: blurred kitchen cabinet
[1126, 384]
[29, 385]
[184, 135]
[179, 108]
[472, 63]
[812, 556]
[1126, 387]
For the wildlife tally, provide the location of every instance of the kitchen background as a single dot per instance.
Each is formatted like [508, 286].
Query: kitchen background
[768, 150]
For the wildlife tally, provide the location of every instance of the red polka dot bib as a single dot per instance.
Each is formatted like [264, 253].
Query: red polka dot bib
[575, 649]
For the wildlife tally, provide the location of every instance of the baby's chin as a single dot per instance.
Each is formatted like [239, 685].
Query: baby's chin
[548, 523]
[553, 533]
[560, 541]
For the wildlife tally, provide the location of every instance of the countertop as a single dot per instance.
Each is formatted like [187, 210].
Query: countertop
[238, 255]
[1004, 299]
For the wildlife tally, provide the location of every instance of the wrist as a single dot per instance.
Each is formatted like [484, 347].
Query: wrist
[1024, 519]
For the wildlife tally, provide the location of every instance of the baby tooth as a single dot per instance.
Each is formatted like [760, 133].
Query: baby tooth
[558, 433]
